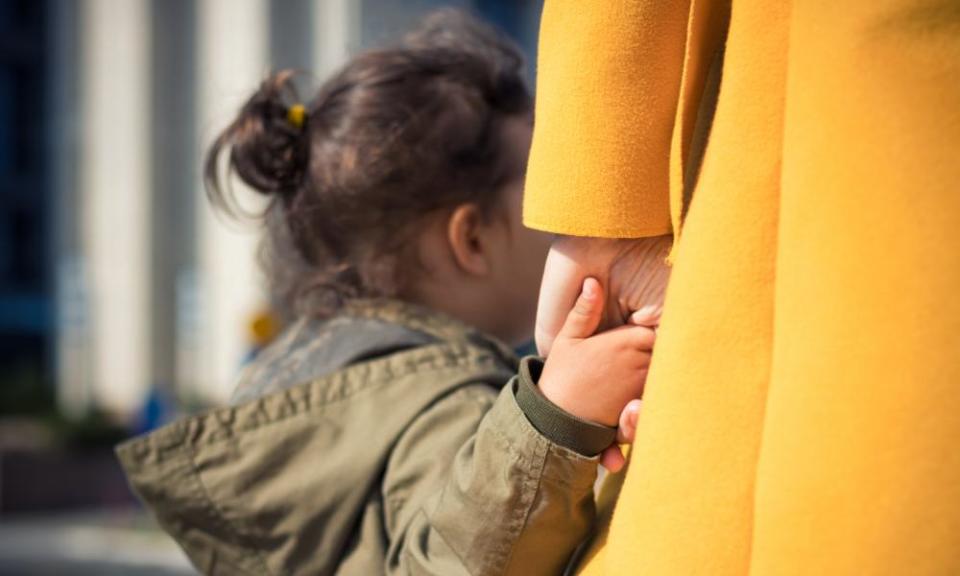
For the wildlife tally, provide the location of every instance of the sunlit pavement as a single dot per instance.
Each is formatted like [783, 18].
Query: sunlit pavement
[108, 544]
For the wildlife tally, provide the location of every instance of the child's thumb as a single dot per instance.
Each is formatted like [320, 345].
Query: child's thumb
[584, 318]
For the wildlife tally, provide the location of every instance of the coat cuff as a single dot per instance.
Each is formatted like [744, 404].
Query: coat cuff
[560, 427]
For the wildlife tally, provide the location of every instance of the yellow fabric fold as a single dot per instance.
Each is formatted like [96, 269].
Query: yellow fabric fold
[800, 412]
[860, 467]
[686, 506]
[706, 32]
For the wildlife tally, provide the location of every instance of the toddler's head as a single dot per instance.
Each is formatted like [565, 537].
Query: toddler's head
[401, 178]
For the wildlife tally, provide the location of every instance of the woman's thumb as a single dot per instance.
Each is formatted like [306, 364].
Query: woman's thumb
[584, 319]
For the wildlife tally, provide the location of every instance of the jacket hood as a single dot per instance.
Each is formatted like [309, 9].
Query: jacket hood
[273, 483]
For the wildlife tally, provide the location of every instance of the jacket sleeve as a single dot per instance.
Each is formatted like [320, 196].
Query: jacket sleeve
[607, 93]
[473, 487]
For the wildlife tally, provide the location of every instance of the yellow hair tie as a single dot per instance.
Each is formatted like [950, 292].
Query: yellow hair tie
[296, 115]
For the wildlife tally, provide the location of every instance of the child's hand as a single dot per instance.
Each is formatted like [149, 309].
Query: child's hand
[594, 377]
[612, 458]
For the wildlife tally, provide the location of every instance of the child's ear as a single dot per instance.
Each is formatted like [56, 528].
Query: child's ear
[466, 235]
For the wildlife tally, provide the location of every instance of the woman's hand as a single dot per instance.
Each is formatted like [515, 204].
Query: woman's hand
[634, 273]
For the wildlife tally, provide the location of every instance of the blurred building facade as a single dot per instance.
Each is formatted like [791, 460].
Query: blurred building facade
[116, 278]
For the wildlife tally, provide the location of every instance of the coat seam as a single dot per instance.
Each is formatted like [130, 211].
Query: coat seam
[531, 487]
[217, 513]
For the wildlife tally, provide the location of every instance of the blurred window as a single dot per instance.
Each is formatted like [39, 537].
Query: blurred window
[24, 206]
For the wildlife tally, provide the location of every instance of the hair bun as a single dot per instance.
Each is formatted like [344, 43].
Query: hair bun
[268, 147]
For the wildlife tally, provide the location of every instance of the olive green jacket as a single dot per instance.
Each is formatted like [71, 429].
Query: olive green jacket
[400, 451]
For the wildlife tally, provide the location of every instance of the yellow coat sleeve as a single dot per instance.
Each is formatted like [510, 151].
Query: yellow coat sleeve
[607, 86]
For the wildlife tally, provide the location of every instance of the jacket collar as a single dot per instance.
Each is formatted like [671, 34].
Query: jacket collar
[427, 321]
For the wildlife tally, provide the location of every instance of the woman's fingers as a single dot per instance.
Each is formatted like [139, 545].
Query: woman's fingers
[648, 316]
[568, 263]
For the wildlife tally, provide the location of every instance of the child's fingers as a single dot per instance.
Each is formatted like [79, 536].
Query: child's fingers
[627, 428]
[612, 459]
[636, 337]
[583, 320]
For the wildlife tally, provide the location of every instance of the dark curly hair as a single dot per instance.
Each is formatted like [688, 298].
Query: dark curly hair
[397, 134]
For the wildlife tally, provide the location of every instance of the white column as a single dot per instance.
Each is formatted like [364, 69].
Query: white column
[336, 33]
[114, 197]
[232, 47]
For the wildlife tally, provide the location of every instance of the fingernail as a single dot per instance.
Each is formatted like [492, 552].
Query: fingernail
[642, 318]
[647, 310]
[633, 414]
[589, 288]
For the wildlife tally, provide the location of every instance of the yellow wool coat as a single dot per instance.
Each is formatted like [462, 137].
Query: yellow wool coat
[802, 413]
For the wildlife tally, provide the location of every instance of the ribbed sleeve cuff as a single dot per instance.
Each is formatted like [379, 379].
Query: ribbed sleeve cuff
[557, 425]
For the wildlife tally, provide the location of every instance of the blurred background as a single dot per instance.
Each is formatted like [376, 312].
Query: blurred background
[124, 300]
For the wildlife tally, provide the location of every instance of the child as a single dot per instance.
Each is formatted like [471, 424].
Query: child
[390, 429]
